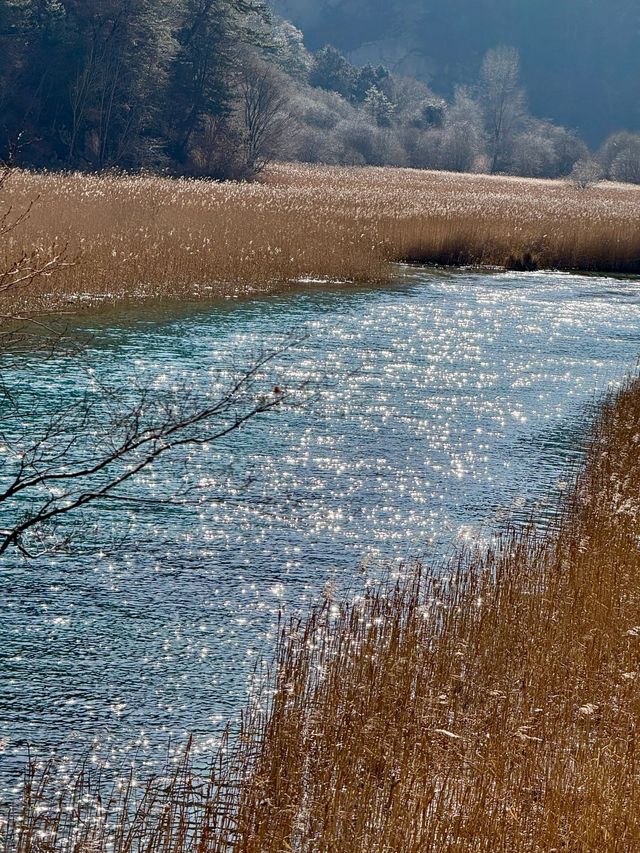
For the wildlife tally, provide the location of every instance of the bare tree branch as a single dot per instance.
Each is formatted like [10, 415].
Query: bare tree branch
[59, 472]
[90, 450]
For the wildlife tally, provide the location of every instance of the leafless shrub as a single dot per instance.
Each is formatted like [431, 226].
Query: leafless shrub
[585, 173]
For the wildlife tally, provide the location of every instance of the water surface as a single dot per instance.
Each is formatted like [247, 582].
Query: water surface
[447, 403]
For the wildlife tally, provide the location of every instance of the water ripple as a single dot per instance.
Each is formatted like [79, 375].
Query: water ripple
[454, 402]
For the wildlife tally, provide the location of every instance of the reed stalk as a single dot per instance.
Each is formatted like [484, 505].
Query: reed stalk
[137, 237]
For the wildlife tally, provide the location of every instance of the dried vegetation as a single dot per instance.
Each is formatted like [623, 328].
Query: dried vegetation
[494, 709]
[147, 236]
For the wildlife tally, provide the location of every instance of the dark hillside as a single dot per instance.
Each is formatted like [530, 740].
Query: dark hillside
[581, 58]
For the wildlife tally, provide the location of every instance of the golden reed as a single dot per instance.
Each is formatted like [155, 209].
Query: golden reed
[137, 237]
[495, 709]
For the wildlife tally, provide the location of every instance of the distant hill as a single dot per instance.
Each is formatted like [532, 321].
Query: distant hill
[580, 58]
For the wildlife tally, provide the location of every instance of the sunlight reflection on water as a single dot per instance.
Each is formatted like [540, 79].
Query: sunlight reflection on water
[455, 402]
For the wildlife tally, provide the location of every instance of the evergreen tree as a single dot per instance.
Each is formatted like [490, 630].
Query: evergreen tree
[202, 71]
[379, 106]
[367, 78]
[332, 71]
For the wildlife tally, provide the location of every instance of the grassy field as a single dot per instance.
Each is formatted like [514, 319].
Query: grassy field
[146, 236]
[492, 709]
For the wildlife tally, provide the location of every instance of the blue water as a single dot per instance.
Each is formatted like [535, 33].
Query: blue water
[437, 408]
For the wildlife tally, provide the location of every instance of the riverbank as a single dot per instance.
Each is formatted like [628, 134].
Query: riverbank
[495, 709]
[139, 237]
[492, 709]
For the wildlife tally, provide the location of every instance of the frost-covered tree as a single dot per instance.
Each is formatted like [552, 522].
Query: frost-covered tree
[289, 50]
[544, 150]
[368, 78]
[503, 102]
[379, 107]
[585, 173]
[620, 157]
[462, 140]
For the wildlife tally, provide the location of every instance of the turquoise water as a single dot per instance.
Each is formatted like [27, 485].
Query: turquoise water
[443, 406]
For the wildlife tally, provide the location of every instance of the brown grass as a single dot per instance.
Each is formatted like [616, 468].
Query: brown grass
[149, 236]
[495, 709]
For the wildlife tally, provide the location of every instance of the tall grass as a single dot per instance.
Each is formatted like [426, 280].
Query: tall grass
[149, 236]
[492, 709]
[496, 709]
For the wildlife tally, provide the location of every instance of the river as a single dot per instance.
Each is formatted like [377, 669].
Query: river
[446, 404]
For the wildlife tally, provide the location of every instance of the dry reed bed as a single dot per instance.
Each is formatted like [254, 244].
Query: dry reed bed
[495, 709]
[149, 236]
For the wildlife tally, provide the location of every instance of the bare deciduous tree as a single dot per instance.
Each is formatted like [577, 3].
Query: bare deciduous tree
[264, 114]
[502, 100]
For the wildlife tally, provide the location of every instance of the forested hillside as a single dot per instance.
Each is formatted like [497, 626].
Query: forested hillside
[128, 83]
[581, 58]
[220, 88]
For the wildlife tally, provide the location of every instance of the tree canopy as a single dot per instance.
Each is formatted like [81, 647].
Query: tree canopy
[117, 83]
[220, 88]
